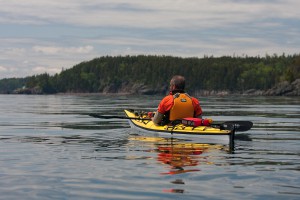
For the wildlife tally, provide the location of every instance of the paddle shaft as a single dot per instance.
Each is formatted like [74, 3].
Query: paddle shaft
[116, 117]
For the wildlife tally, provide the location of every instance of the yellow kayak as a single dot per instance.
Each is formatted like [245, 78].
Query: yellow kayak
[203, 134]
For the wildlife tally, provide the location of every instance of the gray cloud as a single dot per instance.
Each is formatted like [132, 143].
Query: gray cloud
[48, 35]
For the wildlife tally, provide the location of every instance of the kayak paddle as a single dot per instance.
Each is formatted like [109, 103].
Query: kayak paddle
[239, 126]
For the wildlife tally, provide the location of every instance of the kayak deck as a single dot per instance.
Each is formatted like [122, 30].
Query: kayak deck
[205, 134]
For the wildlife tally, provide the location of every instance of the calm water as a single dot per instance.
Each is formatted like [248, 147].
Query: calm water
[50, 149]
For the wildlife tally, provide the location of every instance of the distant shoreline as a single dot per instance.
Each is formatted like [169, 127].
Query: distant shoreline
[282, 89]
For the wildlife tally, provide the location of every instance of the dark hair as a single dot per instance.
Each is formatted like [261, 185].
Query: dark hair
[178, 81]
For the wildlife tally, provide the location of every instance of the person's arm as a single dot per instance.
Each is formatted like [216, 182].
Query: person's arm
[163, 107]
[197, 108]
[157, 118]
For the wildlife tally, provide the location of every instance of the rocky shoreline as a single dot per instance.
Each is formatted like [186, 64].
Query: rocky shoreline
[282, 89]
[285, 89]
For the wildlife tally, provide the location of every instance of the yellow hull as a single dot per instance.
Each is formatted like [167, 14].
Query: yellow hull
[201, 133]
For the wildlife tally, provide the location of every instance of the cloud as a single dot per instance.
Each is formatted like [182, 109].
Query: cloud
[2, 69]
[148, 14]
[52, 50]
[14, 51]
[38, 36]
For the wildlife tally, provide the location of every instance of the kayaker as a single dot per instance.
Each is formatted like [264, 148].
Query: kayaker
[177, 104]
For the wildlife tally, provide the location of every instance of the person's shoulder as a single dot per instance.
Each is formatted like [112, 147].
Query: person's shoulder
[192, 97]
[168, 98]
[195, 99]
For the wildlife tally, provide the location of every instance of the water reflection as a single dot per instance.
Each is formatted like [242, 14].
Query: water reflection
[178, 156]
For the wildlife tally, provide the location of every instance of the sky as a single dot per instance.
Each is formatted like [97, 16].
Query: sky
[38, 36]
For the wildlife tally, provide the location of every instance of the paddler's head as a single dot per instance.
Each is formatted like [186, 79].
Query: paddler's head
[177, 83]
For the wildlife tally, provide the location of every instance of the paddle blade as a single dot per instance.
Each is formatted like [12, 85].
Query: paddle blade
[239, 126]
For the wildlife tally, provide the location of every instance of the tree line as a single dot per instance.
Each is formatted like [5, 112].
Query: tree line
[117, 72]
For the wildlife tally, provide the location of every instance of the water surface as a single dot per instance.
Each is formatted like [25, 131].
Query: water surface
[51, 149]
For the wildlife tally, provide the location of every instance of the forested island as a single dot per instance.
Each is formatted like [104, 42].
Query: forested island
[269, 75]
